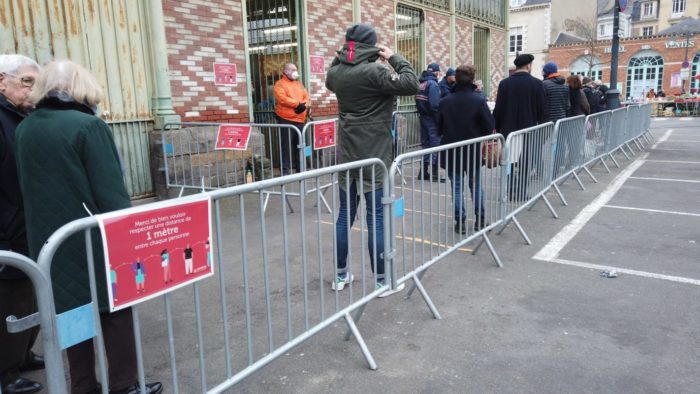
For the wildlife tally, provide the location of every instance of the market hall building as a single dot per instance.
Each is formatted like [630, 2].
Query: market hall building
[645, 62]
[156, 59]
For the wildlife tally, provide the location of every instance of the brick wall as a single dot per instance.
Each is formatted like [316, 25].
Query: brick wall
[382, 15]
[199, 33]
[463, 35]
[437, 39]
[327, 22]
[564, 56]
[498, 58]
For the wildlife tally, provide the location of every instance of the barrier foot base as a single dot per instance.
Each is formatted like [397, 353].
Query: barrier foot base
[612, 157]
[417, 284]
[624, 152]
[289, 204]
[521, 230]
[578, 180]
[627, 144]
[590, 174]
[358, 315]
[639, 146]
[559, 193]
[602, 160]
[550, 207]
[488, 243]
[418, 276]
[361, 342]
[533, 205]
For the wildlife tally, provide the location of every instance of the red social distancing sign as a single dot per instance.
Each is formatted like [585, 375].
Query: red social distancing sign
[225, 74]
[324, 135]
[155, 249]
[233, 137]
[317, 64]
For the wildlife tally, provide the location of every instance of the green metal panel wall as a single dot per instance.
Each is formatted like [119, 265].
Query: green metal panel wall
[109, 38]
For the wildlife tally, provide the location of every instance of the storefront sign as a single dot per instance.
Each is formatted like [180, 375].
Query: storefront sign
[153, 250]
[685, 74]
[609, 49]
[233, 137]
[680, 44]
[225, 74]
[324, 135]
[317, 65]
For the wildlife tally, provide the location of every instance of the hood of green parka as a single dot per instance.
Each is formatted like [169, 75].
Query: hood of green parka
[355, 53]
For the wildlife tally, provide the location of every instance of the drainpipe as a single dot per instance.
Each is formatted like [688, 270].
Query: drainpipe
[163, 104]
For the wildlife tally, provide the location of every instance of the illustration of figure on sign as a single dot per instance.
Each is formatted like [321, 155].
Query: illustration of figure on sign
[139, 270]
[238, 143]
[165, 264]
[113, 280]
[230, 141]
[208, 248]
[188, 260]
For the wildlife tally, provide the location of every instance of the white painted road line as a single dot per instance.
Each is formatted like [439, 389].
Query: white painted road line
[673, 161]
[644, 274]
[652, 210]
[664, 179]
[555, 245]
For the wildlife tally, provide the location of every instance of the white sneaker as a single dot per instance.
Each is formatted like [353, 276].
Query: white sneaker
[389, 291]
[340, 281]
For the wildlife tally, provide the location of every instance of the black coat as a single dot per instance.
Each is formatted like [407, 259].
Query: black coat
[12, 227]
[519, 104]
[556, 99]
[463, 115]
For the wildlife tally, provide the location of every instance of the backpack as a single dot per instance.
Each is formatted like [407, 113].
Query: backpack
[602, 100]
[593, 96]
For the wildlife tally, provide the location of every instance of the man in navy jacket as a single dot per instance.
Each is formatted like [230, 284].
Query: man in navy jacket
[462, 116]
[427, 101]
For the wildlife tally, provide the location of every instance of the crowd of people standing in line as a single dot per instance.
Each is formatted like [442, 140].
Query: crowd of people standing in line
[56, 154]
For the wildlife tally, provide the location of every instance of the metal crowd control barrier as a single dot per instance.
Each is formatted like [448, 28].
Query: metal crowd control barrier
[406, 131]
[318, 156]
[596, 145]
[273, 285]
[40, 275]
[570, 139]
[433, 222]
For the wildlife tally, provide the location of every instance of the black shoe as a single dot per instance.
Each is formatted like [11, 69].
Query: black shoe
[436, 175]
[480, 223]
[151, 388]
[424, 174]
[34, 363]
[21, 386]
[461, 227]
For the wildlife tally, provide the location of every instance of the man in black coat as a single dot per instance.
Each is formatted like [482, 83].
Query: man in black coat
[519, 105]
[17, 76]
[427, 101]
[462, 116]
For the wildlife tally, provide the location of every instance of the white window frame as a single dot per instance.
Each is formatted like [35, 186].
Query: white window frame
[678, 7]
[650, 32]
[516, 3]
[513, 32]
[651, 7]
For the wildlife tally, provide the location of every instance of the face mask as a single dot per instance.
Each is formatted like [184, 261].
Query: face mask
[294, 76]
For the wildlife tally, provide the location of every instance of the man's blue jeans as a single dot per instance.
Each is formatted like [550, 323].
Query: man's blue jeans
[474, 182]
[375, 227]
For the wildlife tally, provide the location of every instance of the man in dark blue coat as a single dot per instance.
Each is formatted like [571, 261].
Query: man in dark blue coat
[519, 105]
[427, 101]
[462, 116]
[447, 83]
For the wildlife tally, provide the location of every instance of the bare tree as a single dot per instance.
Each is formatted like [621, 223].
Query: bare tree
[588, 32]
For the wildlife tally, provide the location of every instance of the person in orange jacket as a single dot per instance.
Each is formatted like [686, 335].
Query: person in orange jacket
[291, 109]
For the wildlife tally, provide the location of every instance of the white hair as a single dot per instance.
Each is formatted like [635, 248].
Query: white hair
[70, 78]
[10, 64]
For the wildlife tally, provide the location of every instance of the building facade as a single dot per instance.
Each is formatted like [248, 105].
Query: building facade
[164, 61]
[649, 17]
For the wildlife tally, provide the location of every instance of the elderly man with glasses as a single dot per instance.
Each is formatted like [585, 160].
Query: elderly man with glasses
[17, 76]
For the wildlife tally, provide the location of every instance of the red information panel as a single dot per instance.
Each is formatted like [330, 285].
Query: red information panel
[225, 74]
[233, 136]
[324, 135]
[317, 64]
[155, 249]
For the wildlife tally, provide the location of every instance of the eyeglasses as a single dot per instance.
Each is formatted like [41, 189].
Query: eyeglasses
[27, 82]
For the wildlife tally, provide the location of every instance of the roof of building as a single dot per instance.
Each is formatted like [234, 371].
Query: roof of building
[606, 8]
[688, 25]
[566, 38]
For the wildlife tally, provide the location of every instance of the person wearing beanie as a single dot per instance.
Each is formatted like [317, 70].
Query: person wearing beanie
[427, 101]
[556, 94]
[519, 105]
[366, 91]
[447, 83]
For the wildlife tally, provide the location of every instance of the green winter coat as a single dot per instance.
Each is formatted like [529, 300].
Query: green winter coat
[66, 157]
[366, 91]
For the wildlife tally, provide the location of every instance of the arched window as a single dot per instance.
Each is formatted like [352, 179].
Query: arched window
[645, 71]
[588, 66]
[694, 72]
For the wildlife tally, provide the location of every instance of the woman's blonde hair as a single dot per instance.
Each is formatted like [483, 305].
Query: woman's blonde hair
[70, 78]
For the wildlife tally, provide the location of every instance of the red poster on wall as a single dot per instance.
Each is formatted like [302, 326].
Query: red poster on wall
[233, 137]
[225, 74]
[317, 64]
[157, 248]
[324, 135]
